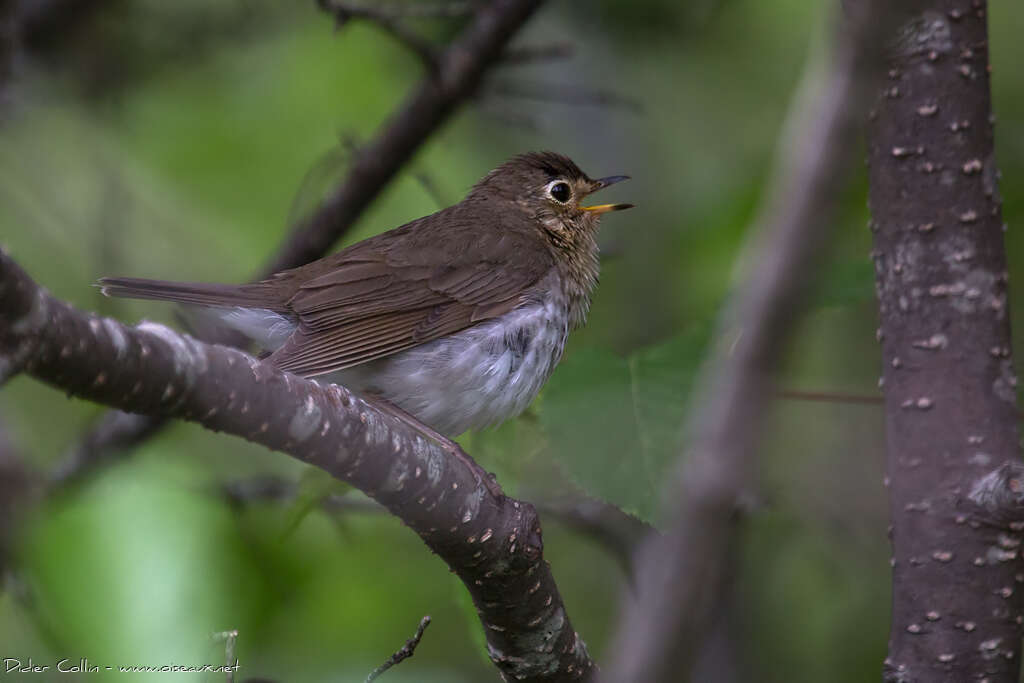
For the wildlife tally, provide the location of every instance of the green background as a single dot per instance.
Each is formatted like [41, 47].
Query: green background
[180, 140]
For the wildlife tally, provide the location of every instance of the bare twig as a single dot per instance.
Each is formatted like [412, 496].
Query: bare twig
[108, 439]
[461, 68]
[680, 575]
[492, 542]
[404, 653]
[430, 186]
[344, 12]
[619, 532]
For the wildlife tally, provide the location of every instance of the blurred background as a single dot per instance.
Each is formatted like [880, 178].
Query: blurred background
[181, 140]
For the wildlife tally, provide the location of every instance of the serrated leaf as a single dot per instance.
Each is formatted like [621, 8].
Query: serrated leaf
[615, 423]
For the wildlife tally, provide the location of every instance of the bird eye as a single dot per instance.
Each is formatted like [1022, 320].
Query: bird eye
[560, 191]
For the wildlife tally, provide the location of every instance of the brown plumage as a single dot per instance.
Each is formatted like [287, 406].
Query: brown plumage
[433, 277]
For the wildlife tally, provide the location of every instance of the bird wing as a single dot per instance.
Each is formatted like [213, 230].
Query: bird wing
[383, 296]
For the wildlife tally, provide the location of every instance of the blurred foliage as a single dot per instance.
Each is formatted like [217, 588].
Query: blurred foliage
[615, 422]
[174, 139]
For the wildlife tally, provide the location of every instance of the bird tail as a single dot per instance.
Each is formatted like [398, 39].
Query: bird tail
[198, 293]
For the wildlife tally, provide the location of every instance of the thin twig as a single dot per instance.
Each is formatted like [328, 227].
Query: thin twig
[430, 186]
[113, 435]
[343, 12]
[404, 653]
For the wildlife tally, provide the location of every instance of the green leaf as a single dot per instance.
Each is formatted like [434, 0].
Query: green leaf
[615, 423]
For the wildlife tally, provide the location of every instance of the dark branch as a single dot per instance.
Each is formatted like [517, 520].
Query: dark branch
[460, 69]
[680, 576]
[493, 543]
[404, 653]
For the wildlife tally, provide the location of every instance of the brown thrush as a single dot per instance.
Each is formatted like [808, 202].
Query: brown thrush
[457, 318]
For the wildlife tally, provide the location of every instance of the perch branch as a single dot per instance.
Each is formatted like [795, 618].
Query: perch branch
[492, 542]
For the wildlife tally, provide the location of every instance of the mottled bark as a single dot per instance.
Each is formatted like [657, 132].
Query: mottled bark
[950, 388]
[493, 543]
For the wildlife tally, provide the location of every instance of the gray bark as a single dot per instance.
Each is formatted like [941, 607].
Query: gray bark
[950, 387]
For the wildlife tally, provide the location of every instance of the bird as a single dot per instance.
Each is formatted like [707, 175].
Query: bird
[455, 320]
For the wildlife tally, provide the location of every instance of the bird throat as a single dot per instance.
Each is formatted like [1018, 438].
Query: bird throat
[578, 265]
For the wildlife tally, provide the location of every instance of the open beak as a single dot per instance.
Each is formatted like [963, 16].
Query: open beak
[600, 184]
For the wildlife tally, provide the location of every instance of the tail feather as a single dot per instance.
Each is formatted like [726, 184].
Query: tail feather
[198, 293]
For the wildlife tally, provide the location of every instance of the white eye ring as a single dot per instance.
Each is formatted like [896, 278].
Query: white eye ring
[555, 184]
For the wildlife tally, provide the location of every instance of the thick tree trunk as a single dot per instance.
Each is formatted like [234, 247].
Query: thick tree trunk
[948, 376]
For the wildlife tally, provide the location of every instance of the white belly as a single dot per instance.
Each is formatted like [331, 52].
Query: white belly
[475, 378]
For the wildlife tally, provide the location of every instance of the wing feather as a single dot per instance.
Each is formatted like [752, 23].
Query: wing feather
[387, 294]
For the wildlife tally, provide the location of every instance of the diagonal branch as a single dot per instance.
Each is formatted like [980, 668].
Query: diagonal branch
[460, 69]
[492, 542]
[680, 575]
